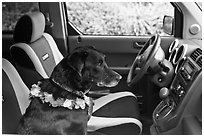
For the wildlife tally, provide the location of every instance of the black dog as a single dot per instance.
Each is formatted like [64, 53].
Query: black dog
[59, 104]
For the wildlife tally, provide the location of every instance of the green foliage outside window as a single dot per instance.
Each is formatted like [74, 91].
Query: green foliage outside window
[100, 18]
[119, 18]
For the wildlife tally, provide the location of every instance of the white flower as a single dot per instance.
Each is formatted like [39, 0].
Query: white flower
[34, 86]
[58, 102]
[87, 100]
[48, 97]
[81, 103]
[35, 92]
[76, 106]
[68, 104]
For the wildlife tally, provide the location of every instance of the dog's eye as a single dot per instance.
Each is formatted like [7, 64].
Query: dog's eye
[100, 62]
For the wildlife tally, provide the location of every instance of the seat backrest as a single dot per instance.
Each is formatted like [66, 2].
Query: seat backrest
[15, 98]
[35, 53]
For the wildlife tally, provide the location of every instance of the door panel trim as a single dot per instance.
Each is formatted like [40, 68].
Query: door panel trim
[115, 44]
[107, 44]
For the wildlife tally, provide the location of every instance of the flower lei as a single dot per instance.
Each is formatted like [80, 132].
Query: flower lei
[77, 103]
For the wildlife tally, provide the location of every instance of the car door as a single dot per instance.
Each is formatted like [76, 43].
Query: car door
[119, 30]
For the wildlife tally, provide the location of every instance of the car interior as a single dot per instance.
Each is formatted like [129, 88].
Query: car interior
[163, 73]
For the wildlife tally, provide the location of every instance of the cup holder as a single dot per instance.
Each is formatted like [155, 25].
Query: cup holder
[163, 109]
[163, 115]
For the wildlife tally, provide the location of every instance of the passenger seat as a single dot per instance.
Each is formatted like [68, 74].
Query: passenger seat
[117, 114]
[14, 98]
[35, 52]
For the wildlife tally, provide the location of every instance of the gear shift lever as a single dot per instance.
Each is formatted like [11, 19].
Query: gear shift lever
[165, 107]
[164, 95]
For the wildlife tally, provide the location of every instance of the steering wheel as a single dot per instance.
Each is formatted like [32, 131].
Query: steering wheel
[144, 60]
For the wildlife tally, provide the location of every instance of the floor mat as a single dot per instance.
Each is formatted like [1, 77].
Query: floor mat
[146, 122]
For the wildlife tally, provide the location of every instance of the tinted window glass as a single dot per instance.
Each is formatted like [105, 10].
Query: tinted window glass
[119, 18]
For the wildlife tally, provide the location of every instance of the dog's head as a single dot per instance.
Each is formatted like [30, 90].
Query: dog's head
[84, 67]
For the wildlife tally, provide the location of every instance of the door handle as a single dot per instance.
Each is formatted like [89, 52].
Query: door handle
[138, 45]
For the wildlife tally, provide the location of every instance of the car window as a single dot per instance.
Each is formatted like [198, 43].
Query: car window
[12, 11]
[119, 18]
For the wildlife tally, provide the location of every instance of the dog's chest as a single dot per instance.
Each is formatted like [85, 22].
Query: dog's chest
[49, 120]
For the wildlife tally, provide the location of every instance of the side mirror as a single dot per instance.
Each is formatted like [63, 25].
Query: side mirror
[168, 24]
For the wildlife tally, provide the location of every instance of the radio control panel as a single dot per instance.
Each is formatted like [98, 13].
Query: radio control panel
[186, 74]
[188, 71]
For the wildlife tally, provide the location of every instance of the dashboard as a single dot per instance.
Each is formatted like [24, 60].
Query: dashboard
[188, 70]
[181, 112]
[187, 63]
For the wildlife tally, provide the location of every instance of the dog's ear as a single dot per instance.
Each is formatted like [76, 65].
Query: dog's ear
[68, 72]
[64, 75]
[77, 60]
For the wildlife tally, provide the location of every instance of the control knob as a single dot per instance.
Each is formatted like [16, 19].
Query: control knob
[164, 93]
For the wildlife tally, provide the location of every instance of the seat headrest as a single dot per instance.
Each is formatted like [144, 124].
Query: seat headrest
[29, 28]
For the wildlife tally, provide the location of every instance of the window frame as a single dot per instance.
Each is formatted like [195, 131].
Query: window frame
[178, 21]
[73, 30]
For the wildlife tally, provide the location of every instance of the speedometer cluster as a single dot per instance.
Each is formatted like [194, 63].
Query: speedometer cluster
[179, 51]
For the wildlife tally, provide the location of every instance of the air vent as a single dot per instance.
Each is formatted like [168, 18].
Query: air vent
[199, 61]
[196, 54]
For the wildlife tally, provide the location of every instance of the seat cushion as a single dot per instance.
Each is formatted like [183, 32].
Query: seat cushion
[115, 114]
[122, 107]
[10, 108]
[15, 98]
[122, 129]
[20, 89]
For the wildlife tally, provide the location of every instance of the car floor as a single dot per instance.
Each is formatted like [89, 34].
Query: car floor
[146, 123]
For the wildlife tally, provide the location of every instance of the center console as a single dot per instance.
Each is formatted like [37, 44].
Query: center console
[168, 112]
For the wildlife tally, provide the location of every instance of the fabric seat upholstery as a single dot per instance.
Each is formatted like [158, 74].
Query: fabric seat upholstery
[15, 98]
[34, 52]
[110, 111]
[116, 114]
[31, 60]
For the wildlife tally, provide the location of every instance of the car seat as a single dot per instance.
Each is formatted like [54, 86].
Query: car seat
[110, 117]
[35, 52]
[14, 98]
[30, 62]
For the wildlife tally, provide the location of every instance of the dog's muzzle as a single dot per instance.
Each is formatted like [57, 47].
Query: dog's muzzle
[110, 79]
